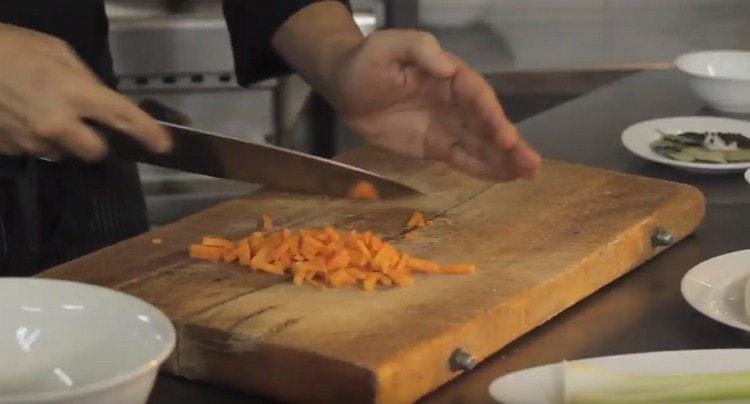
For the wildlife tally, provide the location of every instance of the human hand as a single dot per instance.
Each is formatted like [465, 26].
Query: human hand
[46, 92]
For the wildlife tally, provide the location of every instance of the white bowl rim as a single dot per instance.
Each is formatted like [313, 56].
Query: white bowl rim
[679, 62]
[101, 385]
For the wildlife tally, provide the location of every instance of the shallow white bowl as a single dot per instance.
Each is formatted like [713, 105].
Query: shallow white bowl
[65, 342]
[720, 78]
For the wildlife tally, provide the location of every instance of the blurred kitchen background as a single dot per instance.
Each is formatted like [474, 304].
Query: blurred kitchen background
[174, 57]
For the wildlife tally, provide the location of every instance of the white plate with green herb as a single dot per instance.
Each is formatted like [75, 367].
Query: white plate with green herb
[712, 375]
[697, 143]
[718, 288]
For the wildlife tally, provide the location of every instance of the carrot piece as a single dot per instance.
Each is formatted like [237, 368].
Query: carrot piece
[369, 283]
[265, 222]
[299, 277]
[256, 240]
[363, 250]
[386, 259]
[420, 265]
[364, 190]
[205, 252]
[244, 252]
[401, 279]
[385, 280]
[357, 273]
[260, 258]
[458, 269]
[217, 242]
[410, 235]
[341, 278]
[332, 234]
[339, 261]
[416, 220]
[402, 262]
[375, 244]
[230, 255]
[156, 241]
[294, 245]
[312, 243]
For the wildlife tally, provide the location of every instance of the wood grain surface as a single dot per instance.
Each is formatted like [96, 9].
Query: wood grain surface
[540, 246]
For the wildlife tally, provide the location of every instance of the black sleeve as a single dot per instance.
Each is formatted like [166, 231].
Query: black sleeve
[252, 24]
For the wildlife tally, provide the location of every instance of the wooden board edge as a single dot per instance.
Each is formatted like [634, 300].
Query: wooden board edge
[203, 354]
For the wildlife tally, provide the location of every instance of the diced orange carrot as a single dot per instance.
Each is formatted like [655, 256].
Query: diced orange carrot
[256, 240]
[416, 220]
[244, 252]
[420, 265]
[339, 261]
[401, 279]
[323, 258]
[217, 242]
[205, 252]
[156, 241]
[231, 255]
[370, 282]
[357, 273]
[458, 269]
[402, 262]
[364, 190]
[299, 277]
[386, 259]
[265, 222]
[332, 234]
[375, 244]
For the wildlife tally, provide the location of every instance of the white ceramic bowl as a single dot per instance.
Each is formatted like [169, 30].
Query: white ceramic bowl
[720, 78]
[65, 342]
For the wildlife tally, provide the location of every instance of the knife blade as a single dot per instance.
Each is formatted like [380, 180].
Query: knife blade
[211, 154]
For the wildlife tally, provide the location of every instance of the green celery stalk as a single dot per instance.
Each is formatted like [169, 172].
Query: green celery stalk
[588, 384]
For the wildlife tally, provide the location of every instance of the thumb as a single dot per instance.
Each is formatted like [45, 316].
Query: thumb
[422, 50]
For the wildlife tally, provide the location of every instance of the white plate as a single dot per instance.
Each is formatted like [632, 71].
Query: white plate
[638, 139]
[544, 384]
[716, 288]
[747, 176]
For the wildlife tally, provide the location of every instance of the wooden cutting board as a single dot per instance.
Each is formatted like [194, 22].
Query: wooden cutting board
[540, 246]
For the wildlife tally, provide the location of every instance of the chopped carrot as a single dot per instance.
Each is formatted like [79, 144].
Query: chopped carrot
[370, 282]
[299, 277]
[265, 222]
[401, 279]
[156, 241]
[244, 252]
[416, 220]
[364, 190]
[420, 265]
[217, 242]
[231, 255]
[207, 253]
[458, 269]
[339, 261]
[323, 258]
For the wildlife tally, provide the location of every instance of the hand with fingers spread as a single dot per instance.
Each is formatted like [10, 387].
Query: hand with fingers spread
[399, 89]
[45, 94]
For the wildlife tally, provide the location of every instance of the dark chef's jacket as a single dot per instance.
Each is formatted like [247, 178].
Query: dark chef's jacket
[54, 212]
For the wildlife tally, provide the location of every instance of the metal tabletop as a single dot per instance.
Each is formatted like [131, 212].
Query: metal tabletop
[642, 311]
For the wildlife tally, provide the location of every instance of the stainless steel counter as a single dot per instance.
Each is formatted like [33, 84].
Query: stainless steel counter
[642, 311]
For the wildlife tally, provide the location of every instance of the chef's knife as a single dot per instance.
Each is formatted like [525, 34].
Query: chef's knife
[280, 169]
